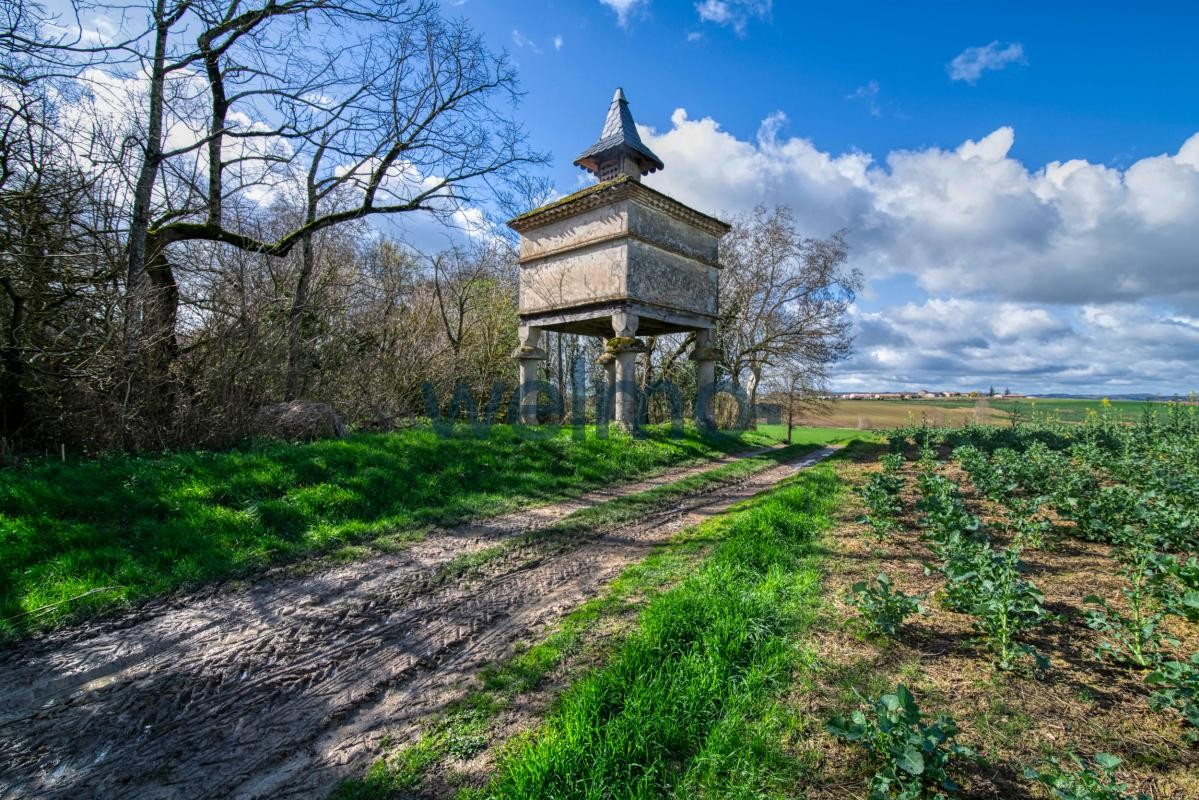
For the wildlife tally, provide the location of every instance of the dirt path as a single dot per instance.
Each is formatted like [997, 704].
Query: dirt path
[284, 688]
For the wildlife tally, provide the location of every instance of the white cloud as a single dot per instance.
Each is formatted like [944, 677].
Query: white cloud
[558, 42]
[623, 9]
[956, 343]
[971, 63]
[694, 36]
[958, 220]
[1023, 251]
[523, 42]
[733, 13]
[869, 94]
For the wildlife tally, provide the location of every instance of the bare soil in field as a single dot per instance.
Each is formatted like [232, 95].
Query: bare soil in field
[1013, 720]
[883, 414]
[284, 687]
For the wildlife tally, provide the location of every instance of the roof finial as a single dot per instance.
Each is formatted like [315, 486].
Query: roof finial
[619, 150]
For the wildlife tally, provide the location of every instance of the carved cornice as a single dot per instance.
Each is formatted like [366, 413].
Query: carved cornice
[658, 201]
[611, 192]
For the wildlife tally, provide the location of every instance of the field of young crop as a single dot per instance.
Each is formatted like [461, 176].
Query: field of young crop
[1023, 604]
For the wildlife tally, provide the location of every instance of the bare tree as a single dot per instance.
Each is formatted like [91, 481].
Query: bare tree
[56, 269]
[372, 106]
[475, 295]
[784, 302]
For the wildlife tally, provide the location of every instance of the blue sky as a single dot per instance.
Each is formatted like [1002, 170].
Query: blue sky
[1108, 82]
[1020, 181]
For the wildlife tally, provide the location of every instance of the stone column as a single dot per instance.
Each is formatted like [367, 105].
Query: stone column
[624, 348]
[527, 355]
[704, 356]
[608, 412]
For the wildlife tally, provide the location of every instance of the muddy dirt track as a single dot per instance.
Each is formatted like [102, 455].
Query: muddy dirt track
[284, 688]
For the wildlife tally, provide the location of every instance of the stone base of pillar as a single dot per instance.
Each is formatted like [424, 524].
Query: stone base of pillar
[605, 409]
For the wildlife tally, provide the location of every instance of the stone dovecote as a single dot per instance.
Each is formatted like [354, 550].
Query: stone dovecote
[618, 260]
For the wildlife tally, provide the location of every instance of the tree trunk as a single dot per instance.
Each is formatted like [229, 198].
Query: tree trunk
[751, 391]
[139, 225]
[296, 374]
[137, 287]
[561, 378]
[790, 409]
[160, 349]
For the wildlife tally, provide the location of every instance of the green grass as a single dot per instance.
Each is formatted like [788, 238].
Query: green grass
[78, 538]
[630, 507]
[809, 435]
[685, 705]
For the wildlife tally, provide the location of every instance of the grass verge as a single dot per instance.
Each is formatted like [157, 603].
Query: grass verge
[80, 538]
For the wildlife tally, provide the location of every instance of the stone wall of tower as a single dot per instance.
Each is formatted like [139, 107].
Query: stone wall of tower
[626, 250]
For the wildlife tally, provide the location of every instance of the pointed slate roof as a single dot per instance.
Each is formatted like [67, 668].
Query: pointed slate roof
[619, 138]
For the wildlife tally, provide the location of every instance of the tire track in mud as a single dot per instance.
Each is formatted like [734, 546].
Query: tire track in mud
[283, 689]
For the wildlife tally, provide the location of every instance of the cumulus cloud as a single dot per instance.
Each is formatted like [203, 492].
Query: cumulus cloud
[971, 63]
[984, 237]
[558, 42]
[964, 344]
[966, 220]
[732, 13]
[623, 9]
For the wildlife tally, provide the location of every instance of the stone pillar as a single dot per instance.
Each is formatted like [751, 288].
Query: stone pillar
[624, 348]
[608, 412]
[527, 355]
[704, 356]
